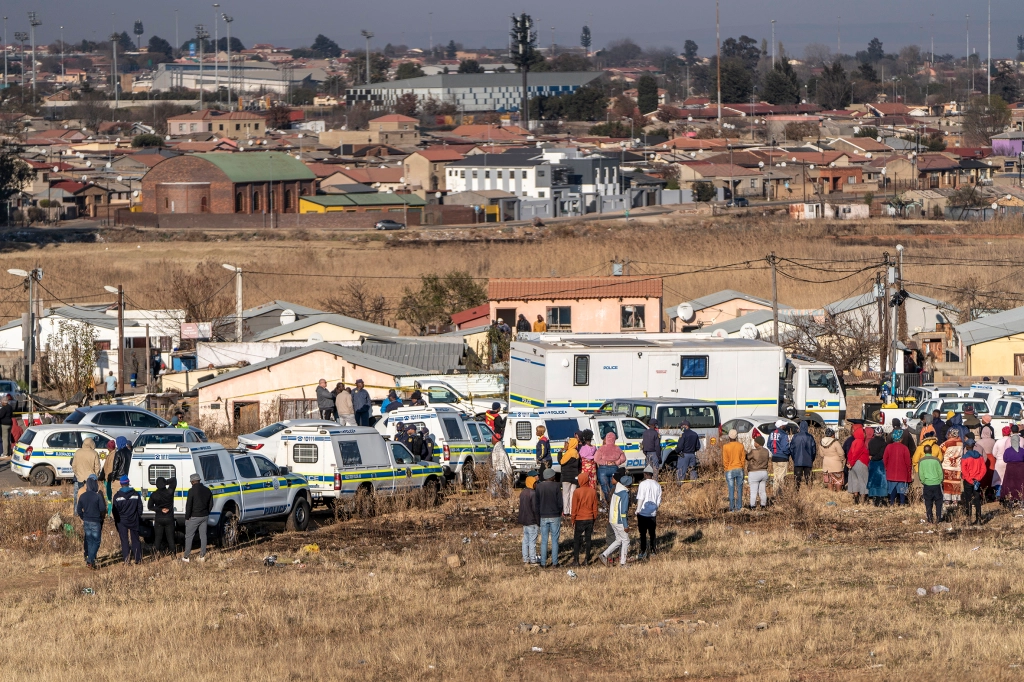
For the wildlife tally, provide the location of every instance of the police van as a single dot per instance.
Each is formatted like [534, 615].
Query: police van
[43, 453]
[339, 461]
[460, 442]
[246, 487]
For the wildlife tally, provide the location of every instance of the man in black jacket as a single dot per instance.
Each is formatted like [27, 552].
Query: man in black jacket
[6, 421]
[92, 510]
[198, 506]
[127, 512]
[650, 445]
[162, 503]
[547, 503]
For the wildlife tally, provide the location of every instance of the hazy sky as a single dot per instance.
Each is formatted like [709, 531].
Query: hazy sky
[294, 23]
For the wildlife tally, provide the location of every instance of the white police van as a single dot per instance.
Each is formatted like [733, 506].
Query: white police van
[43, 453]
[460, 443]
[246, 487]
[339, 461]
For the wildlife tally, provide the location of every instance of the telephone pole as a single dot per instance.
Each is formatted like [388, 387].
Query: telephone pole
[880, 301]
[718, 51]
[201, 34]
[772, 260]
[238, 299]
[33, 21]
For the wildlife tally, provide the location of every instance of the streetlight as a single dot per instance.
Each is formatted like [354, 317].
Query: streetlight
[30, 277]
[227, 23]
[367, 34]
[216, 51]
[238, 299]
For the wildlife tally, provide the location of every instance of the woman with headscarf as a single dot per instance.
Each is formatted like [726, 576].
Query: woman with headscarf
[832, 459]
[857, 461]
[985, 444]
[878, 489]
[608, 458]
[898, 469]
[1012, 486]
[952, 451]
[999, 466]
[587, 451]
[569, 460]
[972, 470]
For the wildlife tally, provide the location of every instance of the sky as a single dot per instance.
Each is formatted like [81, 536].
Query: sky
[484, 23]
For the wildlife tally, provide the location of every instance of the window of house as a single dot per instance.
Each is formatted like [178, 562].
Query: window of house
[101, 345]
[238, 127]
[499, 175]
[462, 174]
[239, 202]
[287, 199]
[474, 174]
[581, 370]
[256, 126]
[255, 201]
[220, 126]
[632, 317]
[559, 318]
[487, 174]
[191, 127]
[209, 127]
[540, 174]
[753, 183]
[167, 202]
[693, 367]
[540, 194]
[524, 175]
[204, 205]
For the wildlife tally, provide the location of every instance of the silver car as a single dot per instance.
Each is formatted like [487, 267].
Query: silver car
[18, 397]
[164, 436]
[122, 420]
[262, 441]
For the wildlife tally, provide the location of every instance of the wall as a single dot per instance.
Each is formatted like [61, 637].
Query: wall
[724, 312]
[447, 214]
[994, 358]
[243, 221]
[588, 315]
[329, 332]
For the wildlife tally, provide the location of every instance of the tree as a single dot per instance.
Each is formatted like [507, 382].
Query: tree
[236, 45]
[647, 93]
[845, 341]
[782, 85]
[704, 191]
[158, 45]
[569, 61]
[203, 293]
[437, 298]
[379, 65]
[934, 142]
[146, 140]
[470, 66]
[621, 53]
[866, 131]
[984, 118]
[737, 80]
[745, 49]
[615, 129]
[302, 96]
[874, 54]
[451, 51]
[356, 299]
[690, 52]
[324, 47]
[408, 105]
[867, 72]
[408, 70]
[278, 117]
[125, 42]
[585, 39]
[1005, 83]
[834, 90]
[586, 104]
[71, 358]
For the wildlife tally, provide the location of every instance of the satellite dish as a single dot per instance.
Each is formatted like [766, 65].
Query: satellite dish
[749, 331]
[316, 337]
[684, 311]
[287, 316]
[719, 334]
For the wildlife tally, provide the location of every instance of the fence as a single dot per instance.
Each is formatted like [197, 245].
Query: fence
[298, 409]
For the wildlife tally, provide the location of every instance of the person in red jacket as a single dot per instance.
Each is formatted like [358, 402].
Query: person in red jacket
[898, 470]
[972, 470]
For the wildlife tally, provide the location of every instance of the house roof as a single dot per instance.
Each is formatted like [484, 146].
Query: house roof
[505, 160]
[991, 327]
[439, 154]
[550, 288]
[754, 317]
[345, 353]
[281, 306]
[868, 144]
[485, 132]
[214, 114]
[259, 166]
[368, 176]
[433, 356]
[326, 318]
[722, 170]
[323, 170]
[471, 314]
[395, 118]
[365, 199]
[868, 298]
[482, 80]
[726, 295]
[90, 314]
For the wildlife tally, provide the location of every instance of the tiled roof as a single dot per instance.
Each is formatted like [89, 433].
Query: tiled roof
[395, 118]
[471, 314]
[550, 288]
[439, 154]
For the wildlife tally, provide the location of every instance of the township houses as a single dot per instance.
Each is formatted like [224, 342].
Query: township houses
[580, 304]
[231, 124]
[994, 344]
[716, 308]
[425, 169]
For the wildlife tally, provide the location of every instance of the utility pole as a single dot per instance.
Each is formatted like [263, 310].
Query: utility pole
[227, 22]
[28, 329]
[216, 52]
[367, 35]
[201, 34]
[894, 292]
[901, 327]
[5, 53]
[839, 34]
[113, 73]
[988, 63]
[33, 21]
[772, 260]
[773, 50]
[120, 339]
[238, 299]
[880, 301]
[718, 51]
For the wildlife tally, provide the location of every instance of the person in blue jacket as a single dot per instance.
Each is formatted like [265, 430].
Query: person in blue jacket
[778, 446]
[804, 451]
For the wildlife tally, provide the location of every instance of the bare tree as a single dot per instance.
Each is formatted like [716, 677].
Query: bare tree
[845, 341]
[972, 298]
[357, 300]
[205, 296]
[71, 358]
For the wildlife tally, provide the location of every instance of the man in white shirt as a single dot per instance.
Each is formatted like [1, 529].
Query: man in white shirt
[648, 499]
[111, 382]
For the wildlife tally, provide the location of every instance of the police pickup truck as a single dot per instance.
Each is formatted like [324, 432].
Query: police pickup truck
[246, 487]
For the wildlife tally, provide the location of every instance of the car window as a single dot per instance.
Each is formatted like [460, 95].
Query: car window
[99, 440]
[265, 466]
[402, 454]
[1015, 410]
[161, 471]
[633, 429]
[561, 429]
[159, 438]
[245, 467]
[451, 428]
[766, 428]
[305, 453]
[27, 437]
[145, 421]
[75, 417]
[110, 418]
[64, 440]
[191, 437]
[606, 427]
[642, 412]
[699, 416]
[268, 431]
[607, 408]
[473, 433]
[210, 464]
[1000, 408]
[441, 395]
[524, 430]
[486, 433]
[350, 456]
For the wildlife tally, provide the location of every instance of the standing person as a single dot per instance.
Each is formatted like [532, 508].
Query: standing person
[686, 453]
[547, 502]
[986, 445]
[650, 445]
[618, 518]
[161, 503]
[587, 451]
[91, 508]
[757, 472]
[929, 470]
[198, 506]
[522, 324]
[127, 514]
[999, 466]
[85, 463]
[898, 468]
[324, 400]
[878, 489]
[832, 459]
[734, 457]
[857, 462]
[344, 406]
[504, 328]
[540, 325]
[6, 422]
[778, 446]
[569, 461]
[939, 425]
[952, 451]
[392, 403]
[926, 441]
[501, 465]
[495, 421]
[648, 499]
[609, 457]
[804, 451]
[179, 421]
[427, 453]
[111, 383]
[1011, 488]
[970, 419]
[582, 516]
[416, 399]
[972, 469]
[529, 520]
[361, 404]
[543, 451]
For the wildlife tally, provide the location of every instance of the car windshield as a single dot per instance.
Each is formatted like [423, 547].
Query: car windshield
[160, 438]
[75, 417]
[268, 431]
[699, 416]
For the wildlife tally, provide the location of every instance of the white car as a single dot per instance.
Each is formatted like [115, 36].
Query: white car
[43, 453]
[264, 442]
[763, 423]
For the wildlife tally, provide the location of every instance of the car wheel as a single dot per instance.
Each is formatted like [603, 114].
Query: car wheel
[42, 476]
[228, 529]
[298, 519]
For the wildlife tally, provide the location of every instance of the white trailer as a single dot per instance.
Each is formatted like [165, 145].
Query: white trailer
[744, 377]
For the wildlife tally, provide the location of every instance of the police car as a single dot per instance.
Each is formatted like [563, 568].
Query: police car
[43, 453]
[461, 443]
[246, 487]
[340, 461]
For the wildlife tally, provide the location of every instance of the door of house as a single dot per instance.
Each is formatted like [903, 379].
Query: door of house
[247, 417]
[1018, 364]
[507, 314]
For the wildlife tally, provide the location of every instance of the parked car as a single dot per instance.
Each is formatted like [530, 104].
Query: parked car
[762, 423]
[43, 453]
[122, 420]
[389, 225]
[267, 440]
[167, 435]
[19, 398]
[739, 202]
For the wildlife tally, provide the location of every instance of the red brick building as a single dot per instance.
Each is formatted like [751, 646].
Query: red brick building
[245, 182]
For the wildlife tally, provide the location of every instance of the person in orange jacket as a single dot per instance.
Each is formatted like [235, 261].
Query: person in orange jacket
[972, 469]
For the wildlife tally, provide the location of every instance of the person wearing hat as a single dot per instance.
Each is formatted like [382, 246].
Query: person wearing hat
[91, 508]
[495, 422]
[778, 446]
[757, 472]
[547, 502]
[686, 453]
[426, 453]
[529, 520]
[618, 518]
[127, 512]
[543, 449]
[970, 419]
[734, 457]
[648, 499]
[198, 506]
[650, 445]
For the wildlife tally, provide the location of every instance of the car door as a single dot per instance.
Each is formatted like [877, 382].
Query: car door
[140, 421]
[404, 464]
[115, 422]
[251, 488]
[632, 433]
[60, 448]
[481, 451]
[275, 495]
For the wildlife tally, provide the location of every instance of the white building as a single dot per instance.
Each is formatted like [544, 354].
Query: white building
[517, 174]
[245, 77]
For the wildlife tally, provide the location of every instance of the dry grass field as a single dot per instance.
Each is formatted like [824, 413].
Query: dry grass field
[697, 255]
[814, 589]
